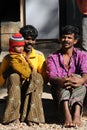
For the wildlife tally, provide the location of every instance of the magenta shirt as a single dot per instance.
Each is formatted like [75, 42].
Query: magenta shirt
[56, 67]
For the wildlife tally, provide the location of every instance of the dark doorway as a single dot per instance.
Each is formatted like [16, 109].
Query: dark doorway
[9, 21]
[10, 10]
[69, 14]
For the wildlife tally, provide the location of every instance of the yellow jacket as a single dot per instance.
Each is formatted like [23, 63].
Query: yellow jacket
[36, 58]
[3, 67]
[20, 65]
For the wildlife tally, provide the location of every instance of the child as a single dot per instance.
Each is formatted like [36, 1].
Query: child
[16, 61]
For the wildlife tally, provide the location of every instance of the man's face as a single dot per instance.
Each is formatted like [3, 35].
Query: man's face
[29, 43]
[68, 41]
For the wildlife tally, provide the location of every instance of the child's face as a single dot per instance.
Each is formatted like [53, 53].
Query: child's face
[19, 49]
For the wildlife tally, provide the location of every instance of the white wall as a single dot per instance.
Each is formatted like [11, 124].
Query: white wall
[44, 15]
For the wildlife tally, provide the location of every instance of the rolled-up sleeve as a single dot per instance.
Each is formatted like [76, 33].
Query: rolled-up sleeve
[83, 63]
[51, 67]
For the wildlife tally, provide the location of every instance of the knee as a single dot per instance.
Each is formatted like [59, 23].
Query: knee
[14, 76]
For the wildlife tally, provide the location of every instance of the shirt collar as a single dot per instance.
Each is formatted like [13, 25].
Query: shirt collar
[32, 54]
[74, 51]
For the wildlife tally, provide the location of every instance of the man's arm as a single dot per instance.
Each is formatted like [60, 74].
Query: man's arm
[59, 82]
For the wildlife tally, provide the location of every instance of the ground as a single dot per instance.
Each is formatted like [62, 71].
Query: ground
[51, 115]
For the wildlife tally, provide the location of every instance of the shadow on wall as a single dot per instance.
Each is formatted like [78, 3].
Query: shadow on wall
[47, 47]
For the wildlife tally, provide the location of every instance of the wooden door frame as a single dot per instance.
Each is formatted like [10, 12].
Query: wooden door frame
[22, 12]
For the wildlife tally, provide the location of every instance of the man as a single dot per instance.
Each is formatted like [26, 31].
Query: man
[24, 96]
[67, 72]
[82, 6]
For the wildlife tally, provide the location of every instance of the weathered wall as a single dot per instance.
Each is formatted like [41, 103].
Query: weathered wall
[7, 29]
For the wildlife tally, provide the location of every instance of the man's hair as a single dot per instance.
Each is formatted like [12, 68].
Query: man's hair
[69, 29]
[29, 30]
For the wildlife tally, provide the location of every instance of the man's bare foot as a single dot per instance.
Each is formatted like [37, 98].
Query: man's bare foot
[34, 124]
[77, 120]
[68, 116]
[30, 123]
[68, 122]
[77, 116]
[17, 121]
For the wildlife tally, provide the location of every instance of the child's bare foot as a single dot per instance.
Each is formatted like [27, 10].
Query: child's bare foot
[77, 120]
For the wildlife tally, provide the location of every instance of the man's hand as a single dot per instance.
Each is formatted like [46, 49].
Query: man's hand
[74, 81]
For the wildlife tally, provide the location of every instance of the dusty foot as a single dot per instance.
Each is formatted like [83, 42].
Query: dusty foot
[17, 121]
[30, 124]
[68, 122]
[33, 124]
[77, 120]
